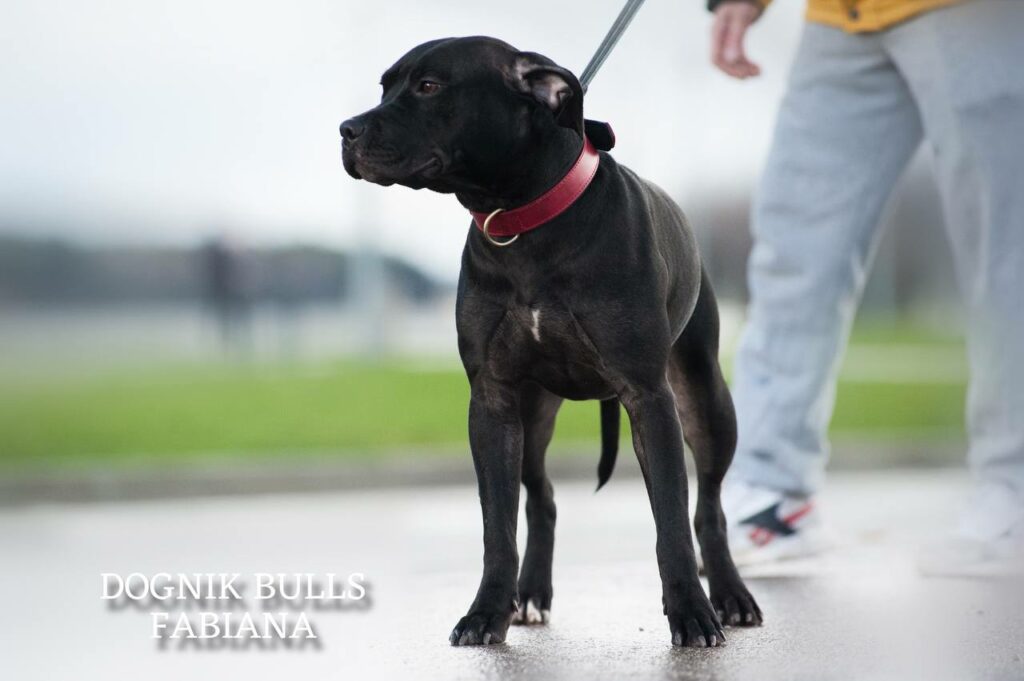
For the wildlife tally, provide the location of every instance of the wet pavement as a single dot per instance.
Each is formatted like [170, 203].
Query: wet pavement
[860, 612]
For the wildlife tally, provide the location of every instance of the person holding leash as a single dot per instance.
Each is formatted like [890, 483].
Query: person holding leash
[870, 81]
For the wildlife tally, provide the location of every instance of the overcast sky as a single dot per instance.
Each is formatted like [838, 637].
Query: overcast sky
[164, 121]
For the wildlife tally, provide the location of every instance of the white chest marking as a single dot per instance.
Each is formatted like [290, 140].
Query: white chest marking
[536, 324]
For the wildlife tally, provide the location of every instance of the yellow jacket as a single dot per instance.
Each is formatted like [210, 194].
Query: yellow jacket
[859, 16]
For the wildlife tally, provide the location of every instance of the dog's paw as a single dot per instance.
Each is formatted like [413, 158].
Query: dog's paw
[480, 629]
[735, 606]
[694, 624]
[531, 612]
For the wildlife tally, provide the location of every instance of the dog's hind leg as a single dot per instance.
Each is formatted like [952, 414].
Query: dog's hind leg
[709, 426]
[538, 408]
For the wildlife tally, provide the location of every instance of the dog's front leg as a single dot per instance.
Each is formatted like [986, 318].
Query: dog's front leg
[658, 439]
[496, 438]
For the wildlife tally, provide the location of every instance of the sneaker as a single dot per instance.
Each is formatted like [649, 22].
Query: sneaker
[987, 542]
[766, 525]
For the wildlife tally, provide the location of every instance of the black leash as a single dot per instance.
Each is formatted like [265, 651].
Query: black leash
[614, 33]
[601, 133]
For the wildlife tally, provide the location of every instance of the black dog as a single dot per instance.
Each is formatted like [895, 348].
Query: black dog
[606, 301]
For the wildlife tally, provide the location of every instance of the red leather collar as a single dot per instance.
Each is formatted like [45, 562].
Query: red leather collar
[548, 205]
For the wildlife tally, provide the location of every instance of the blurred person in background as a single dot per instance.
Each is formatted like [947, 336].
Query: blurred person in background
[872, 79]
[226, 294]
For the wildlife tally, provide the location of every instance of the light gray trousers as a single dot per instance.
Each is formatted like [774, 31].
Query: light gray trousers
[857, 108]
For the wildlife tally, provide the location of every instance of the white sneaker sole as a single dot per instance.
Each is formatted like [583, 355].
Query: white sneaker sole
[807, 543]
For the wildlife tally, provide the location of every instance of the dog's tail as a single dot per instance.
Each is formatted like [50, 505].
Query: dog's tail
[609, 440]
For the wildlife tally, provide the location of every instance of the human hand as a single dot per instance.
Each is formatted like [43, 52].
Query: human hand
[732, 18]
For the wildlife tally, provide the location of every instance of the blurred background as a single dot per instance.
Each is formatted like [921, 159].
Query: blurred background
[197, 304]
[188, 277]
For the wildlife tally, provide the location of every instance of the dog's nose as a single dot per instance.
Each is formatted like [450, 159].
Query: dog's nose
[351, 129]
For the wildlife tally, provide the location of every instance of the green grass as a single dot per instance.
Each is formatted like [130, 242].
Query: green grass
[173, 413]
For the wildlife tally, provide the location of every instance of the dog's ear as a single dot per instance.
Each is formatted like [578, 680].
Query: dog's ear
[551, 85]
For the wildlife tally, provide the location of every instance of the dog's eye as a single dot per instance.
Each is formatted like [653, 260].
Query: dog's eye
[428, 87]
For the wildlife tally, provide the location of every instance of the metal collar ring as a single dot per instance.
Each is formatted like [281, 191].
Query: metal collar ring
[487, 235]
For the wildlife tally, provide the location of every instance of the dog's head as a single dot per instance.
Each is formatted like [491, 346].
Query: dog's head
[457, 113]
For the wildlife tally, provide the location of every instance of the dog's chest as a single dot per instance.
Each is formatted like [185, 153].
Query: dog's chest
[557, 353]
[543, 325]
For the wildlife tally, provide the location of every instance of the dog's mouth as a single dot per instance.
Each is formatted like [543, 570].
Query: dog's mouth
[386, 170]
[431, 169]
